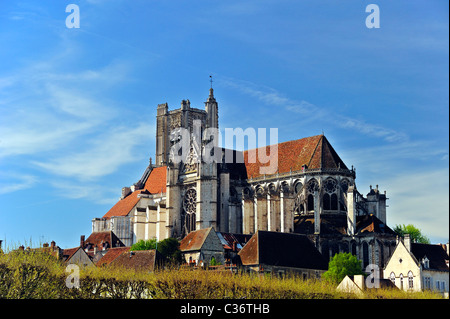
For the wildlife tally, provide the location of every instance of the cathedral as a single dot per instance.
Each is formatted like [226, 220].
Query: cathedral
[311, 191]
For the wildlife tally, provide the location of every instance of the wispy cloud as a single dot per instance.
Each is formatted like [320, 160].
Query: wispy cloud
[310, 111]
[64, 125]
[426, 190]
[20, 182]
[104, 154]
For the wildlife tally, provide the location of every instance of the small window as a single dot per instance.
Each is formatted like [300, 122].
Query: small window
[401, 281]
[410, 280]
[392, 277]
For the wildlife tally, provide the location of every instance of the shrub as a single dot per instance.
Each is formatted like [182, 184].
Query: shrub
[341, 265]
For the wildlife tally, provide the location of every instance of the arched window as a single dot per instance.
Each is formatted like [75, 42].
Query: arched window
[410, 280]
[334, 202]
[310, 202]
[365, 254]
[326, 202]
[401, 281]
[298, 186]
[190, 207]
[392, 277]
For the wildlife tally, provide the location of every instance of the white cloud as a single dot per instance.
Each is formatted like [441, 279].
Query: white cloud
[104, 154]
[21, 182]
[310, 111]
[421, 198]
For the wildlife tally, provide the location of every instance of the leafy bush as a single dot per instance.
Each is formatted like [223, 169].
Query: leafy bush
[144, 244]
[341, 265]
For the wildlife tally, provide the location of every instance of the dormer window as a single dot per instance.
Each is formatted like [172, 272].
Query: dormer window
[426, 262]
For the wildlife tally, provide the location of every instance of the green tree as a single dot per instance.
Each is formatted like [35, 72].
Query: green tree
[144, 244]
[341, 265]
[169, 248]
[415, 233]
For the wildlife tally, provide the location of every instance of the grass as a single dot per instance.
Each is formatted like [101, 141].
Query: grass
[35, 274]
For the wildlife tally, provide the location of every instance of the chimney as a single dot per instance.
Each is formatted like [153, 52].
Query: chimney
[407, 241]
[45, 245]
[22, 248]
[53, 244]
[82, 241]
[234, 246]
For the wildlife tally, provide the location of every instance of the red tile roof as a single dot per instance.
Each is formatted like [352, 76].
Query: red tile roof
[155, 184]
[315, 152]
[194, 240]
[98, 239]
[111, 255]
[146, 260]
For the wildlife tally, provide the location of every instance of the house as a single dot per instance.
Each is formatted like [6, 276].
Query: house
[417, 267]
[232, 244]
[200, 247]
[100, 241]
[77, 256]
[282, 254]
[140, 260]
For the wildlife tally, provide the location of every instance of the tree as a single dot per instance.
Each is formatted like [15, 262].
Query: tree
[144, 244]
[415, 233]
[169, 248]
[341, 265]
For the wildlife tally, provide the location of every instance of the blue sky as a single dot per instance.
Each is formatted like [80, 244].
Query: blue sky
[78, 106]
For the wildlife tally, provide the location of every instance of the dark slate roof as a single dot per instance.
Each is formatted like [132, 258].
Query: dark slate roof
[435, 254]
[336, 224]
[282, 249]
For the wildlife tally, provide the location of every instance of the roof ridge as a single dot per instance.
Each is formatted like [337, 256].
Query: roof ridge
[299, 139]
[315, 149]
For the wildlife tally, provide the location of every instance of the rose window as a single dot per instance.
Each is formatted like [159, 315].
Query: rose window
[190, 201]
[330, 186]
[312, 186]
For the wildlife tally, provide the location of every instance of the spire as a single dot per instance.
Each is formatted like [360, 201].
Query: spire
[211, 91]
[211, 108]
